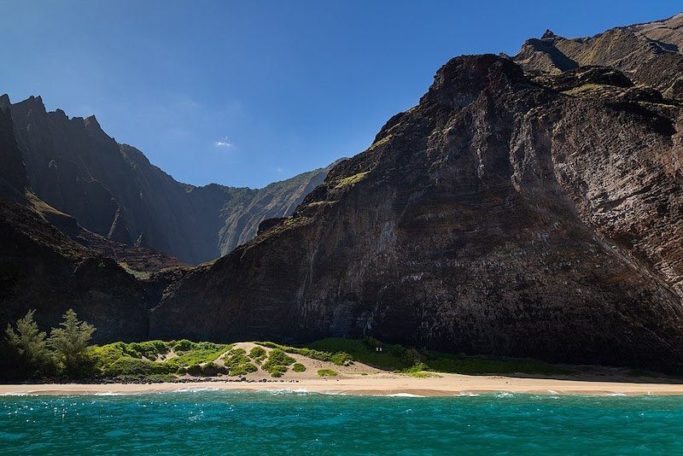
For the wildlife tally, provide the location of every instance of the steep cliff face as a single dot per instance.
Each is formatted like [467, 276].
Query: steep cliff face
[13, 180]
[506, 214]
[650, 54]
[42, 269]
[243, 217]
[113, 190]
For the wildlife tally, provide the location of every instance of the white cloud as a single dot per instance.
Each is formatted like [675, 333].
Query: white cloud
[222, 143]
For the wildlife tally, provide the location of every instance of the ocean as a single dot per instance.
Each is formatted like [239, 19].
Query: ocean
[267, 423]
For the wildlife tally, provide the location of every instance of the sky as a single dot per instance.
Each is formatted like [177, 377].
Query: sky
[250, 92]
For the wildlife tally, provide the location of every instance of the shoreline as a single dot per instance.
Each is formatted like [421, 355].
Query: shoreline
[381, 385]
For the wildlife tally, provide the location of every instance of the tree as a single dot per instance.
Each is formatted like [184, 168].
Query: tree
[70, 343]
[29, 345]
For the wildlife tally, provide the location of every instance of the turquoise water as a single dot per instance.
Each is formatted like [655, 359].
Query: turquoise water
[212, 422]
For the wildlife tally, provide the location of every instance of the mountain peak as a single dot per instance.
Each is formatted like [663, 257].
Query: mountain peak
[5, 101]
[33, 104]
[91, 122]
[548, 35]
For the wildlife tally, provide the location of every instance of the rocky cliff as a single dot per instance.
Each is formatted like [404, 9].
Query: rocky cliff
[13, 180]
[43, 269]
[528, 206]
[516, 213]
[113, 190]
[650, 54]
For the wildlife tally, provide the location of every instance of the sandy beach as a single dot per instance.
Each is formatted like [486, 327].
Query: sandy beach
[375, 385]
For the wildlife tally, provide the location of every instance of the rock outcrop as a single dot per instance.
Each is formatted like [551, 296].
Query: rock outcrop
[507, 214]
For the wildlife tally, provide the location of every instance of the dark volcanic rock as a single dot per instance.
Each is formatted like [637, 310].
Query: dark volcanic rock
[13, 180]
[499, 216]
[42, 269]
[113, 190]
[48, 262]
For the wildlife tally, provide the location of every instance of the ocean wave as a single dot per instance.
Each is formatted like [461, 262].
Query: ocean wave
[404, 395]
[191, 390]
[504, 394]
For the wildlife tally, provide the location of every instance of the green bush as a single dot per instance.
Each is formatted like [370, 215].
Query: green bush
[411, 356]
[298, 367]
[242, 369]
[237, 362]
[213, 369]
[183, 345]
[340, 358]
[127, 365]
[258, 354]
[151, 349]
[201, 353]
[277, 371]
[327, 373]
[277, 362]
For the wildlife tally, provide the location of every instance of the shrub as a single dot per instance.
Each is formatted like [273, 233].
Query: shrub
[151, 349]
[242, 369]
[199, 354]
[298, 367]
[213, 369]
[238, 363]
[411, 356]
[277, 362]
[257, 354]
[183, 345]
[327, 373]
[341, 359]
[277, 371]
[127, 365]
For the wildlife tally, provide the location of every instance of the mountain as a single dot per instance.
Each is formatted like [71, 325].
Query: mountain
[113, 190]
[525, 207]
[650, 54]
[41, 268]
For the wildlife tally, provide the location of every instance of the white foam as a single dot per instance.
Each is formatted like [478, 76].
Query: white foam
[504, 394]
[404, 395]
[192, 390]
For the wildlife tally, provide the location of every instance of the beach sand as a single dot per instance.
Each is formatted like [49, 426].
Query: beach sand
[374, 385]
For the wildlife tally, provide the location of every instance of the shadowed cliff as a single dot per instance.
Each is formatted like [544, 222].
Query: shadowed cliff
[505, 215]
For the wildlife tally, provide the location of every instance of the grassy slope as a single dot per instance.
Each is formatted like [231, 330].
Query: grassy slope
[163, 361]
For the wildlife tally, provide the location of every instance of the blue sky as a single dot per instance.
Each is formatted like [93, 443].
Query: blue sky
[246, 93]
